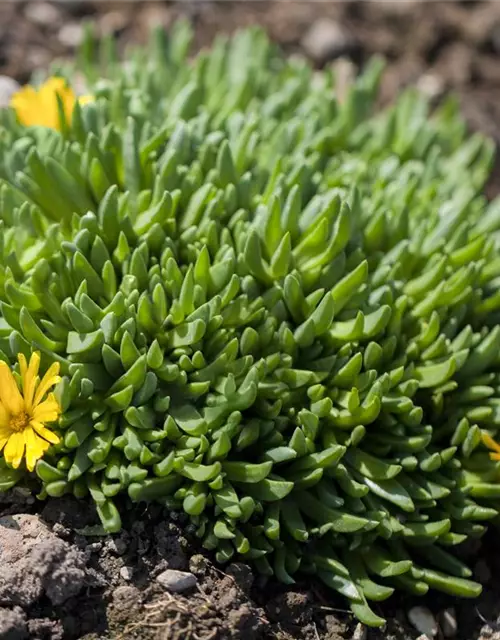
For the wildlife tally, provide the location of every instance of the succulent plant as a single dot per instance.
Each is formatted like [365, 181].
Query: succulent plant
[273, 309]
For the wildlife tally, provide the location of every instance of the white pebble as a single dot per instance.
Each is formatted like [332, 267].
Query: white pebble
[423, 621]
[127, 573]
[360, 632]
[71, 34]
[177, 581]
[448, 622]
[42, 13]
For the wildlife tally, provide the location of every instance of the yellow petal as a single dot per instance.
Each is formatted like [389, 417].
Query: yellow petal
[50, 379]
[494, 456]
[4, 417]
[40, 107]
[22, 102]
[47, 411]
[48, 93]
[44, 432]
[5, 434]
[35, 448]
[29, 375]
[10, 396]
[83, 100]
[489, 442]
[14, 449]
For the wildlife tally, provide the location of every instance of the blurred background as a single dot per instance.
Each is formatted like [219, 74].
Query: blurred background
[438, 46]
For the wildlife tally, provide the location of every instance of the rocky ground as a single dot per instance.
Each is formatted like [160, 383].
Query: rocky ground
[439, 46]
[151, 581]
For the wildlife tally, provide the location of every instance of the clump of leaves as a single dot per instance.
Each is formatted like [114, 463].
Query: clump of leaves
[272, 309]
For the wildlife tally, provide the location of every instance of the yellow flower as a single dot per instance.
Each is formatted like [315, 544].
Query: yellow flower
[39, 106]
[22, 415]
[492, 445]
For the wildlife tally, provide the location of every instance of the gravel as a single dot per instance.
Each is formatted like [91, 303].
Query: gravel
[177, 581]
[423, 621]
[448, 622]
[328, 39]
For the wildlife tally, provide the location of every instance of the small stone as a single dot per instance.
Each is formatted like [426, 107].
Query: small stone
[431, 85]
[45, 628]
[360, 632]
[127, 573]
[327, 40]
[71, 34]
[117, 546]
[13, 624]
[155, 15]
[482, 572]
[8, 87]
[112, 23]
[42, 13]
[177, 581]
[423, 621]
[61, 531]
[448, 622]
[242, 575]
[94, 547]
[198, 564]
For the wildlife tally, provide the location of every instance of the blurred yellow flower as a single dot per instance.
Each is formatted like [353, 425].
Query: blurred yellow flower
[491, 445]
[23, 415]
[39, 106]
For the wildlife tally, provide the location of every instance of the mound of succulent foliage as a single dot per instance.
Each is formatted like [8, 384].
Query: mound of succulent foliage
[272, 309]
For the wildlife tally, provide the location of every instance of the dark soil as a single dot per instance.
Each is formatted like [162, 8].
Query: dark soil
[122, 598]
[439, 46]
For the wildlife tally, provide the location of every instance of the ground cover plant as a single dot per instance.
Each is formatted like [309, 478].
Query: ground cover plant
[253, 301]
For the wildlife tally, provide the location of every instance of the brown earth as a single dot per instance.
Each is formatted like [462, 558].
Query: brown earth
[439, 46]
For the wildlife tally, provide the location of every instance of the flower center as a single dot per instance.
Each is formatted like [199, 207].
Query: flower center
[19, 422]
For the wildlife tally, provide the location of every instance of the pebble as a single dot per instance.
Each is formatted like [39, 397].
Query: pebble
[177, 581]
[117, 546]
[13, 624]
[127, 573]
[326, 40]
[360, 632]
[94, 547]
[42, 13]
[482, 572]
[448, 622]
[71, 34]
[431, 85]
[487, 633]
[113, 23]
[8, 86]
[423, 621]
